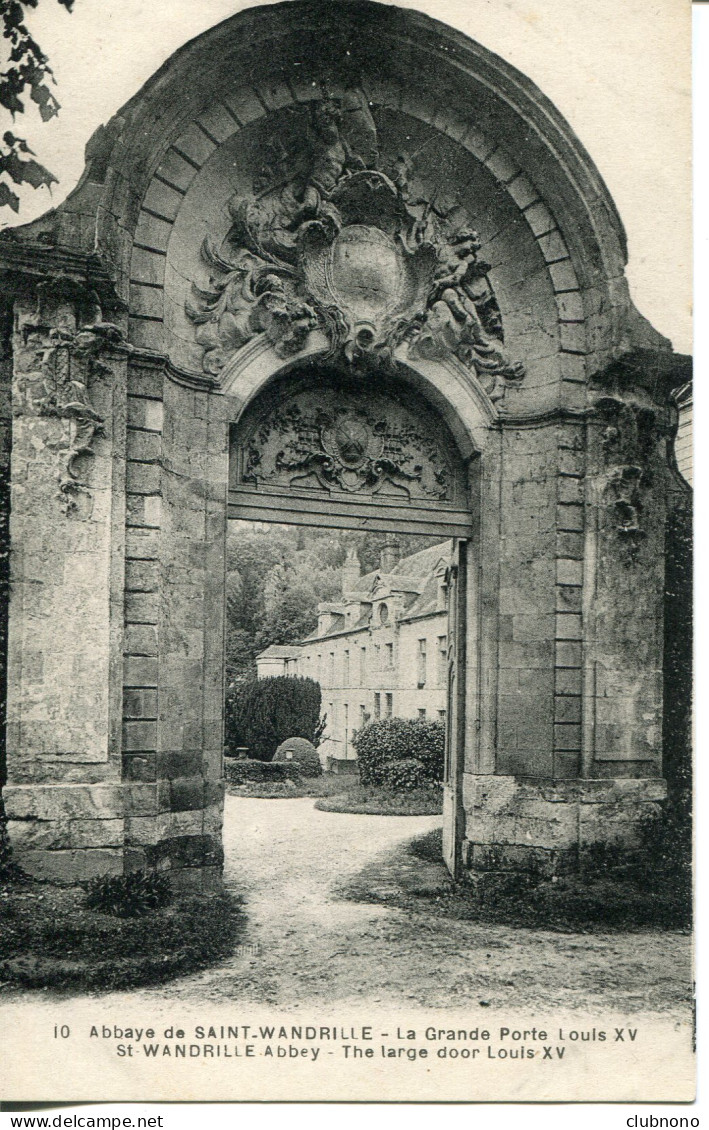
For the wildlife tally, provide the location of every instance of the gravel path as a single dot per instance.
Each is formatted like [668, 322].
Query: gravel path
[307, 947]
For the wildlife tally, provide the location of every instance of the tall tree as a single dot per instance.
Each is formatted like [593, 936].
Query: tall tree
[28, 73]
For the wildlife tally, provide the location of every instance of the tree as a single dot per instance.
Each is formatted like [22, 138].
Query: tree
[28, 71]
[264, 712]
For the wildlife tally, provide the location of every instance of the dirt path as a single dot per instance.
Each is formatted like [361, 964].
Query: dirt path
[306, 946]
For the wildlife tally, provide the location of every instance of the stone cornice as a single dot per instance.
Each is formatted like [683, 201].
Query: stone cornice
[24, 264]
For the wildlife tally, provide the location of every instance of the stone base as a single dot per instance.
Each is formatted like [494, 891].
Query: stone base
[525, 823]
[68, 833]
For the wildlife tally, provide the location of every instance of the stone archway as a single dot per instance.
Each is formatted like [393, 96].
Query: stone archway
[386, 193]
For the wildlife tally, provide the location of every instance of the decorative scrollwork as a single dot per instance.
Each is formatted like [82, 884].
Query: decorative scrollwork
[67, 364]
[347, 446]
[335, 238]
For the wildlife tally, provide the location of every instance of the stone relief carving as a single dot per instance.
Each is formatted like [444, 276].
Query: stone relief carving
[628, 442]
[66, 362]
[346, 443]
[337, 238]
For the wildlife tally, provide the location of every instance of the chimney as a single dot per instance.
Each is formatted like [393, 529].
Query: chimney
[389, 556]
[350, 572]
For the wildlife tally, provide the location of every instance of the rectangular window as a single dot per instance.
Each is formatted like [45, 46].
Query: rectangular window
[422, 712]
[362, 715]
[332, 669]
[390, 655]
[389, 699]
[346, 669]
[442, 664]
[318, 669]
[377, 657]
[377, 706]
[347, 730]
[363, 666]
[421, 664]
[441, 715]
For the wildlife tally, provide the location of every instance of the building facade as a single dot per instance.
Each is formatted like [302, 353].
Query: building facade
[379, 652]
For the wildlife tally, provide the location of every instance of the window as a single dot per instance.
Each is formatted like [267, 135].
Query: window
[332, 669]
[318, 669]
[346, 669]
[389, 699]
[362, 666]
[442, 661]
[441, 715]
[421, 664]
[362, 715]
[422, 712]
[347, 729]
[377, 657]
[389, 654]
[383, 613]
[377, 706]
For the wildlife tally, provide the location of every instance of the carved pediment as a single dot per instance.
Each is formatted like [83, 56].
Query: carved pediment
[337, 237]
[353, 442]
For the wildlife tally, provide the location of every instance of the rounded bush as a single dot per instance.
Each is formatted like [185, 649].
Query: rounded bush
[404, 775]
[390, 740]
[300, 752]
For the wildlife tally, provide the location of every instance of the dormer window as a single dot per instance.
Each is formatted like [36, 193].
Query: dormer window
[383, 613]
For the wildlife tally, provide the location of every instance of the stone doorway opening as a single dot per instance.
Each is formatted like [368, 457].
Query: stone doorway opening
[359, 476]
[361, 614]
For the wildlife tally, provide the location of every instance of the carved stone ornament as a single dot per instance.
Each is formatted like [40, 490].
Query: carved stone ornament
[334, 238]
[628, 439]
[67, 363]
[321, 440]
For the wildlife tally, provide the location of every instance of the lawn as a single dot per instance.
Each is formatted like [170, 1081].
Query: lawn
[376, 800]
[606, 895]
[50, 939]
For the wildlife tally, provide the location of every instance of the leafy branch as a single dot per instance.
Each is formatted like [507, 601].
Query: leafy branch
[27, 73]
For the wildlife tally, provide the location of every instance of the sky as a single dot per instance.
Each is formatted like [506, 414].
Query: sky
[618, 70]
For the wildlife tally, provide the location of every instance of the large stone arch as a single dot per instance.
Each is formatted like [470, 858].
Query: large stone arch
[115, 691]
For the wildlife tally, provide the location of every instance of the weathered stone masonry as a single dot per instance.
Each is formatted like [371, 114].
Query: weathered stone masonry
[216, 249]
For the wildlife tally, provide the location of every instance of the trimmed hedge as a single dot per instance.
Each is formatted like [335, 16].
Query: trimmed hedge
[401, 753]
[243, 770]
[262, 713]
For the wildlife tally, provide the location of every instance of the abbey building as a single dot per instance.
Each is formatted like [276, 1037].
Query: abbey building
[381, 651]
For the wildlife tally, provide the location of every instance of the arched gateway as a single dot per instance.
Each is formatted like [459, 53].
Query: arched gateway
[335, 263]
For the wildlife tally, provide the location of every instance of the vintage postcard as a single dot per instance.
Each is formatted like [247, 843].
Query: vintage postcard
[345, 551]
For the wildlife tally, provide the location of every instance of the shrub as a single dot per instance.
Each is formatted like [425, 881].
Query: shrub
[244, 770]
[381, 744]
[302, 753]
[262, 713]
[129, 896]
[409, 773]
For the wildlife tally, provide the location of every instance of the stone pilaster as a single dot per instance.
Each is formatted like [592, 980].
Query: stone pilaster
[63, 795]
[174, 643]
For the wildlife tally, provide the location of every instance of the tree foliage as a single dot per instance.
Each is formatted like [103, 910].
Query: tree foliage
[277, 577]
[262, 713]
[27, 74]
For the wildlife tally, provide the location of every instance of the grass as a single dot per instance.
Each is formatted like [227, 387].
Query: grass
[376, 800]
[607, 896]
[49, 939]
[323, 786]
